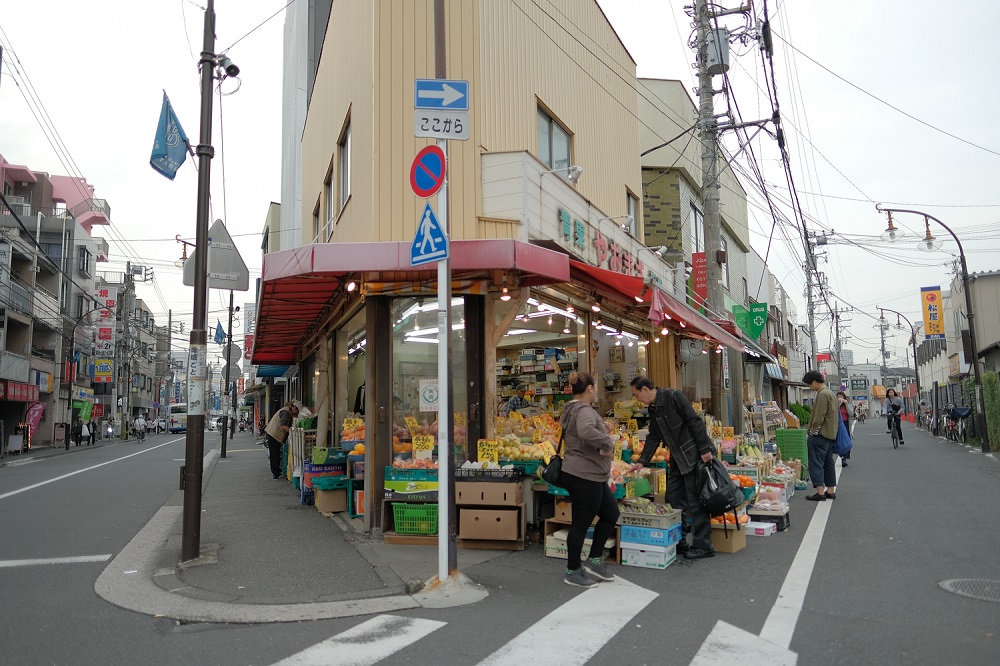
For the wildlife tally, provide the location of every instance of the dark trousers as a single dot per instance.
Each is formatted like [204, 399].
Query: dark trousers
[682, 493]
[847, 424]
[589, 498]
[821, 463]
[274, 455]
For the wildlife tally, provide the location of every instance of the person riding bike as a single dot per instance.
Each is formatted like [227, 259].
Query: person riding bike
[893, 409]
[140, 428]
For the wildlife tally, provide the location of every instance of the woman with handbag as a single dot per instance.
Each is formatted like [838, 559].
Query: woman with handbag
[586, 468]
[845, 416]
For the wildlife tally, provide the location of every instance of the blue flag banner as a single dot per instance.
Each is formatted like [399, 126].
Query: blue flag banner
[170, 146]
[220, 335]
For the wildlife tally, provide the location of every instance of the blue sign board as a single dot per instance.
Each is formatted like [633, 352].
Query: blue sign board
[429, 243]
[177, 391]
[218, 403]
[441, 94]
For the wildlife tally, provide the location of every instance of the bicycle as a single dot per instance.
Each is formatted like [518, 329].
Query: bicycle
[894, 430]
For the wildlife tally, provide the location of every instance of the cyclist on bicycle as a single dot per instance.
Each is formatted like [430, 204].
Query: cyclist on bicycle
[140, 428]
[893, 409]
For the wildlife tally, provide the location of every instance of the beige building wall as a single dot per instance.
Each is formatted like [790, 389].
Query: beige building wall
[517, 55]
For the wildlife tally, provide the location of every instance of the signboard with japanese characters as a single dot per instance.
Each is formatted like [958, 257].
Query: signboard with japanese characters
[104, 364]
[930, 299]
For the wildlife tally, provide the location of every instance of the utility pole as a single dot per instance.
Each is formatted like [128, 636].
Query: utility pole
[225, 393]
[810, 271]
[883, 326]
[126, 349]
[708, 126]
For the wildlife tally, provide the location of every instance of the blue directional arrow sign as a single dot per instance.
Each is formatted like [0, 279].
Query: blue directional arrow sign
[440, 94]
[429, 243]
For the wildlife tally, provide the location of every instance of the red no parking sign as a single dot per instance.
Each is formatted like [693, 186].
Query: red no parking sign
[427, 172]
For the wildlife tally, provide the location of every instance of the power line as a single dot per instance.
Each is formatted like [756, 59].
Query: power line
[258, 26]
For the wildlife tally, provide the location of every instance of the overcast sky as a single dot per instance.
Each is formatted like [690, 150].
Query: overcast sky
[99, 69]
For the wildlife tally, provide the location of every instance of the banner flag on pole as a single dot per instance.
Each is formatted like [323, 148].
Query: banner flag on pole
[170, 145]
[220, 335]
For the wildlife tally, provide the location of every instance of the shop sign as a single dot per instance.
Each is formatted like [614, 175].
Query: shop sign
[488, 450]
[97, 411]
[699, 280]
[824, 358]
[548, 451]
[617, 258]
[930, 298]
[573, 231]
[429, 395]
[859, 385]
[781, 353]
[725, 369]
[107, 300]
[751, 321]
[954, 368]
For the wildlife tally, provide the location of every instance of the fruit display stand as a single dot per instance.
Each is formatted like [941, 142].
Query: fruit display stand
[765, 420]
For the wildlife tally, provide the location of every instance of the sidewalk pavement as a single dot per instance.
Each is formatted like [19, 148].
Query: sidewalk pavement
[265, 557]
[43, 452]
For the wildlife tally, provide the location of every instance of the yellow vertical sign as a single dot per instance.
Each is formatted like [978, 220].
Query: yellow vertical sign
[930, 302]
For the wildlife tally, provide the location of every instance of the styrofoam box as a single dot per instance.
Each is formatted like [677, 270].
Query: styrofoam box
[648, 557]
[760, 529]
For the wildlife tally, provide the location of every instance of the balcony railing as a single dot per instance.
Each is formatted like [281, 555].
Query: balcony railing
[95, 206]
[46, 306]
[13, 366]
[16, 297]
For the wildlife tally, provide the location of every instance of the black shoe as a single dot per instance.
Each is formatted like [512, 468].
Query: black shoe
[901, 442]
[698, 554]
[682, 547]
[816, 497]
[843, 463]
[831, 496]
[276, 476]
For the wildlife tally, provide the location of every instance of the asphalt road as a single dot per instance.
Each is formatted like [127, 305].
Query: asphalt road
[904, 521]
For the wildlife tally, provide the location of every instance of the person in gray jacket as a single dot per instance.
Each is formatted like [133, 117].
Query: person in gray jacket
[586, 469]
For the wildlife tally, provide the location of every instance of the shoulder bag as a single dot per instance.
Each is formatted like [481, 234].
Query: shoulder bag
[552, 473]
[842, 445]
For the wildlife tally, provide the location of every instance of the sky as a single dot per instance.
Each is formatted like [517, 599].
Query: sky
[100, 69]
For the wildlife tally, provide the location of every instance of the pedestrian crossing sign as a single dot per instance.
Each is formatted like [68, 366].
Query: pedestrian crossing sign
[429, 243]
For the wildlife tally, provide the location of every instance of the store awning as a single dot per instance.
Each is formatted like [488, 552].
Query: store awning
[773, 370]
[628, 287]
[664, 306]
[754, 353]
[298, 286]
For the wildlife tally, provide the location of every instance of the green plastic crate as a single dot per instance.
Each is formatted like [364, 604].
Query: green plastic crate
[415, 518]
[397, 474]
[329, 482]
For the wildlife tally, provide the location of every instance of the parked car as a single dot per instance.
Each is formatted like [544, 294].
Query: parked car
[211, 423]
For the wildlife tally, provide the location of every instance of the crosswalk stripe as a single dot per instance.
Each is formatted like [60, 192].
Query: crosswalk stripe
[368, 643]
[577, 630]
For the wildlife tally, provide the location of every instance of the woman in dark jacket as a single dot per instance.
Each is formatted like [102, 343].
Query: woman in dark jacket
[586, 469]
[845, 416]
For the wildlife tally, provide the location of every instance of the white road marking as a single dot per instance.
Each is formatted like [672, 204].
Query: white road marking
[54, 560]
[85, 469]
[731, 645]
[780, 624]
[368, 643]
[577, 630]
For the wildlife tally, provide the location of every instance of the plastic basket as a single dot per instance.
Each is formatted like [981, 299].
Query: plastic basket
[348, 444]
[527, 467]
[415, 518]
[560, 492]
[748, 493]
[653, 520]
[626, 455]
[329, 482]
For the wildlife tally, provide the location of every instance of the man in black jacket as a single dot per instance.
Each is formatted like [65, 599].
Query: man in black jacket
[673, 422]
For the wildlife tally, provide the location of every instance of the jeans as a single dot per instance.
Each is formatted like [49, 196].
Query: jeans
[274, 455]
[589, 499]
[821, 463]
[682, 493]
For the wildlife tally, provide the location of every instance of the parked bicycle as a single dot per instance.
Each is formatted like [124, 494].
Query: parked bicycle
[957, 430]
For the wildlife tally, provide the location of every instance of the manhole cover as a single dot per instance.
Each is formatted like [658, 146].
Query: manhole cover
[976, 588]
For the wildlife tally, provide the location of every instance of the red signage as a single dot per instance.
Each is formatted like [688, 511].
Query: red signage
[427, 172]
[823, 358]
[247, 346]
[97, 411]
[699, 279]
[615, 257]
[3, 390]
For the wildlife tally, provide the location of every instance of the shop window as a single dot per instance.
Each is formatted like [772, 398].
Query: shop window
[632, 211]
[553, 144]
[315, 222]
[725, 264]
[344, 152]
[415, 339]
[538, 352]
[697, 230]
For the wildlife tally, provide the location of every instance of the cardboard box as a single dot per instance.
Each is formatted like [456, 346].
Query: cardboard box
[488, 493]
[310, 471]
[564, 512]
[760, 529]
[490, 524]
[731, 541]
[651, 536]
[648, 557]
[556, 545]
[331, 501]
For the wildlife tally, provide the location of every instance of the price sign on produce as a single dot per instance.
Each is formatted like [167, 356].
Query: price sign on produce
[618, 450]
[411, 425]
[728, 433]
[423, 447]
[548, 451]
[629, 490]
[696, 406]
[635, 442]
[716, 432]
[537, 420]
[353, 424]
[632, 426]
[622, 410]
[536, 436]
[489, 450]
[661, 484]
[460, 419]
[516, 416]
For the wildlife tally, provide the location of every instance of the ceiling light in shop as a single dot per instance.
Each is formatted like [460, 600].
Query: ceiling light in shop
[570, 309]
[505, 296]
[664, 332]
[629, 343]
[351, 286]
[566, 327]
[656, 339]
[550, 320]
[432, 341]
[520, 331]
[596, 307]
[618, 343]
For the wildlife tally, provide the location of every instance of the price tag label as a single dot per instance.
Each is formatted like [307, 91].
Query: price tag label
[716, 432]
[516, 416]
[727, 433]
[618, 450]
[635, 442]
[661, 484]
[622, 410]
[629, 490]
[536, 436]
[423, 447]
[489, 450]
[632, 425]
[537, 420]
[411, 424]
[548, 451]
[353, 424]
[696, 406]
[460, 419]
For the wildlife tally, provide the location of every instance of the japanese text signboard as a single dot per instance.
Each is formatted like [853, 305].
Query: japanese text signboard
[930, 300]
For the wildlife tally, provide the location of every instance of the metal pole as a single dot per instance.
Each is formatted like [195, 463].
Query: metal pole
[229, 350]
[198, 347]
[447, 511]
[970, 316]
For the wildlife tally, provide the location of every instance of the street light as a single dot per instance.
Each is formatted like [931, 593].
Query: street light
[929, 244]
[913, 342]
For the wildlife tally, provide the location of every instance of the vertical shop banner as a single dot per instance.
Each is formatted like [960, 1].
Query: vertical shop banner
[930, 301]
[98, 411]
[104, 360]
[247, 346]
[34, 415]
[699, 280]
